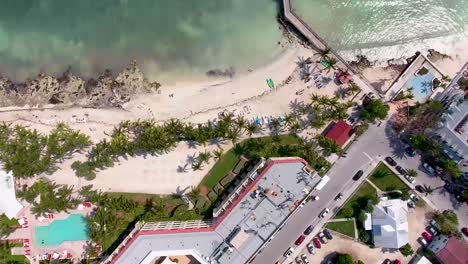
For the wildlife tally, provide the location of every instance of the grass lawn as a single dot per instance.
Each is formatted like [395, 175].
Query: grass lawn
[170, 208]
[345, 227]
[386, 179]
[251, 148]
[360, 198]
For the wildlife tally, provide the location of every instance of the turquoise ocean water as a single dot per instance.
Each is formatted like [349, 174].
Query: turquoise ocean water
[177, 39]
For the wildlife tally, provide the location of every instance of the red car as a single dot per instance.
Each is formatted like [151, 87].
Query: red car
[465, 231]
[317, 242]
[396, 261]
[427, 236]
[299, 240]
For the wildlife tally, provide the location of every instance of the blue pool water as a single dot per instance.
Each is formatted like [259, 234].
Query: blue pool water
[74, 228]
[422, 86]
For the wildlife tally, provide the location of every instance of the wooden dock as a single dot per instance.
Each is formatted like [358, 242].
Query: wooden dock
[321, 45]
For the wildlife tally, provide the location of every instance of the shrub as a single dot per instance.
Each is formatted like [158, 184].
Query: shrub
[407, 250]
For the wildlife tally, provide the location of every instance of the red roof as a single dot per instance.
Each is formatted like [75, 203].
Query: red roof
[340, 133]
[455, 252]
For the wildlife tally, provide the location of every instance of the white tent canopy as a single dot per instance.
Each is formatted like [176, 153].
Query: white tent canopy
[8, 203]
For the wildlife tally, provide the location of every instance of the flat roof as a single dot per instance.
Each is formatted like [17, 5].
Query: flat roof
[8, 203]
[253, 218]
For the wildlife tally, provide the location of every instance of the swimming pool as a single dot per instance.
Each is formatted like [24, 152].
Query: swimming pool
[422, 86]
[74, 228]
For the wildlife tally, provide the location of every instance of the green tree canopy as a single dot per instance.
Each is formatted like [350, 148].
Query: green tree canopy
[344, 259]
[375, 109]
[448, 222]
[407, 250]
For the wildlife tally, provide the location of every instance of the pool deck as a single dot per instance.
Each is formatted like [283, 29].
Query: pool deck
[402, 80]
[75, 248]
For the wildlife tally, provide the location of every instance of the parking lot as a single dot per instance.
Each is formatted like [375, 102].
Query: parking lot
[363, 252]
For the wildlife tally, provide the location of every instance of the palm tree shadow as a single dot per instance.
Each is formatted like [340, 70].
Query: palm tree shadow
[179, 191]
[192, 158]
[397, 146]
[193, 144]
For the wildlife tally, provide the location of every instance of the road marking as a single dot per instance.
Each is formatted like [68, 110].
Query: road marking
[367, 155]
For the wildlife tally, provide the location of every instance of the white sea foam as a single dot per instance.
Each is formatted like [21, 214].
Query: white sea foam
[455, 45]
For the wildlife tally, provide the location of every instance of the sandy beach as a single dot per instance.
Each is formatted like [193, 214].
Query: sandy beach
[247, 95]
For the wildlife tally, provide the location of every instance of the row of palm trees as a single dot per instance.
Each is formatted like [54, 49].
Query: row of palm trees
[48, 197]
[26, 153]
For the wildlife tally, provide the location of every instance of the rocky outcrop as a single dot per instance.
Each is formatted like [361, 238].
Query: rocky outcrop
[105, 91]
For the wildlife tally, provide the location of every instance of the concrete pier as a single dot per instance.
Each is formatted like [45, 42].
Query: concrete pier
[320, 44]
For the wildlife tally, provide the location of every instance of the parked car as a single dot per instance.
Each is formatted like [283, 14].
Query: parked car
[411, 204]
[311, 248]
[429, 168]
[410, 178]
[419, 188]
[338, 197]
[434, 224]
[414, 198]
[410, 151]
[317, 242]
[288, 252]
[432, 230]
[324, 212]
[449, 188]
[358, 175]
[427, 236]
[465, 231]
[387, 261]
[328, 234]
[298, 260]
[390, 161]
[422, 241]
[304, 258]
[396, 261]
[299, 240]
[401, 170]
[322, 237]
[308, 230]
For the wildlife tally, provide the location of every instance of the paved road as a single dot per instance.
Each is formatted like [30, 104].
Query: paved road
[340, 181]
[375, 144]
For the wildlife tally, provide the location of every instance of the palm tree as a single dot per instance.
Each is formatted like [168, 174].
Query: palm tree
[218, 153]
[331, 62]
[233, 134]
[241, 122]
[295, 127]
[197, 166]
[275, 125]
[204, 157]
[412, 173]
[426, 189]
[354, 88]
[288, 119]
[324, 53]
[252, 128]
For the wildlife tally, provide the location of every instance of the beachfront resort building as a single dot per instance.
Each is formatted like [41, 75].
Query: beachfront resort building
[390, 224]
[453, 130]
[245, 221]
[9, 205]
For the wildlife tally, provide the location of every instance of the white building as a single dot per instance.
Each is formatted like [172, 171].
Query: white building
[390, 224]
[8, 203]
